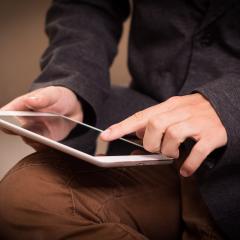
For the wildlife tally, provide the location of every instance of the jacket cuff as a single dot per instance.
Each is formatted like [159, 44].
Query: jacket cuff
[224, 96]
[91, 98]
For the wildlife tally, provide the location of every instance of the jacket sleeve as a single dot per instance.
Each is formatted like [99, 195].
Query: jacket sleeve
[224, 96]
[83, 38]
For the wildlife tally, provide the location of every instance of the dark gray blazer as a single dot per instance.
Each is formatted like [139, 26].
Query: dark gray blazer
[176, 47]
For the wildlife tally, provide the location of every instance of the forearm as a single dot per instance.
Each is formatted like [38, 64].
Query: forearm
[83, 38]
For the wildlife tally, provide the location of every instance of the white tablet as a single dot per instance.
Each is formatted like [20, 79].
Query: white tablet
[74, 138]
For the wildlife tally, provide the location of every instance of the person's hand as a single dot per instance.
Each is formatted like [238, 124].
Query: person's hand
[54, 99]
[165, 126]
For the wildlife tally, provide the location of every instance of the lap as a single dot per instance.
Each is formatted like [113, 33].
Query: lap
[54, 190]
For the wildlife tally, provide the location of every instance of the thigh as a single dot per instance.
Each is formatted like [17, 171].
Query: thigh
[37, 202]
[144, 198]
[54, 195]
[198, 223]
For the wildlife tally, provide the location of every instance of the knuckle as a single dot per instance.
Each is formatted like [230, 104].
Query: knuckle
[202, 150]
[149, 147]
[219, 128]
[154, 123]
[172, 132]
[173, 100]
[188, 111]
[116, 126]
[138, 115]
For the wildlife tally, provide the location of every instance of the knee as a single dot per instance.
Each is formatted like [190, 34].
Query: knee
[15, 197]
[28, 190]
[12, 198]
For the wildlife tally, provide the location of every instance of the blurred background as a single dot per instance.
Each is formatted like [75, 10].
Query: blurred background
[22, 42]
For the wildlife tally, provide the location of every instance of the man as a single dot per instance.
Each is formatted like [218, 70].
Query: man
[184, 61]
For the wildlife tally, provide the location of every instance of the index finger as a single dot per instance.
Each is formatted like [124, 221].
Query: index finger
[129, 125]
[133, 123]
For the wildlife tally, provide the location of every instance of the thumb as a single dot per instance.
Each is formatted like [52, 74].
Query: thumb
[36, 102]
[41, 99]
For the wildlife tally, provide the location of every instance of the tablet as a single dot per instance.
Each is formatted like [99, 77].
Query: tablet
[78, 139]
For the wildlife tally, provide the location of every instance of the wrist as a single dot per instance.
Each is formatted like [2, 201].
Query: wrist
[81, 109]
[74, 109]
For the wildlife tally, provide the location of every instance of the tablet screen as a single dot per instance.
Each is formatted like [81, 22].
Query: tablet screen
[74, 134]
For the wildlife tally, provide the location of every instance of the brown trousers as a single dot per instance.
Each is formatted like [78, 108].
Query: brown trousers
[49, 195]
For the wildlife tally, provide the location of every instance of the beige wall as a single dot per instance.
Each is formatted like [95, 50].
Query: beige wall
[23, 40]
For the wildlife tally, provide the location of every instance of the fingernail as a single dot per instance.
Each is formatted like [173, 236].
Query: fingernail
[184, 173]
[106, 133]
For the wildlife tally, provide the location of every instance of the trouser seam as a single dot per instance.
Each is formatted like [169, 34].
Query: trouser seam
[128, 232]
[71, 195]
[116, 197]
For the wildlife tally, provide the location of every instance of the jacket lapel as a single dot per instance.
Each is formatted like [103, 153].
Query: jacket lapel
[216, 9]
